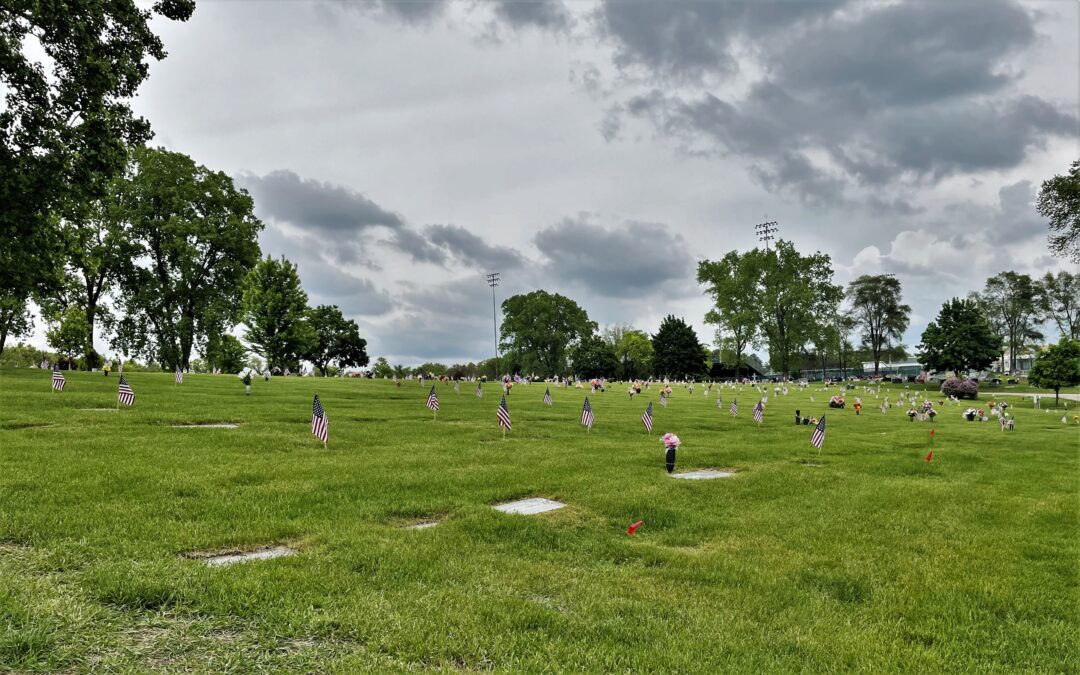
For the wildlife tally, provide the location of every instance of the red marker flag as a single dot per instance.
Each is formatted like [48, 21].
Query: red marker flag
[929, 455]
[633, 528]
[932, 433]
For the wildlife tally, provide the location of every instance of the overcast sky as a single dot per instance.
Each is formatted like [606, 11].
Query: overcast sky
[399, 151]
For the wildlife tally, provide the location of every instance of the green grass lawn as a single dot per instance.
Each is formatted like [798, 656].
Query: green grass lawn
[874, 560]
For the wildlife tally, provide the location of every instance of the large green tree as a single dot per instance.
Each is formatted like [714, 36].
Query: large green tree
[960, 339]
[1056, 367]
[276, 313]
[1059, 300]
[68, 334]
[795, 294]
[337, 339]
[98, 249]
[224, 351]
[194, 237]
[677, 352]
[634, 352]
[539, 329]
[382, 368]
[733, 283]
[594, 357]
[68, 71]
[15, 320]
[876, 304]
[1011, 302]
[1059, 202]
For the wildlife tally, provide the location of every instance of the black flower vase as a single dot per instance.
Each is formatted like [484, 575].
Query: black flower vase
[670, 460]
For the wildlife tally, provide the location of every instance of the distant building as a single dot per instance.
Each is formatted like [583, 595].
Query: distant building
[909, 368]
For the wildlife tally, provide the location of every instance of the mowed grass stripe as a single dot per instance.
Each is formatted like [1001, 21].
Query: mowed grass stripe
[874, 560]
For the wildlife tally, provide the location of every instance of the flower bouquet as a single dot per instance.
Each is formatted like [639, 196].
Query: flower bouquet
[671, 442]
[836, 401]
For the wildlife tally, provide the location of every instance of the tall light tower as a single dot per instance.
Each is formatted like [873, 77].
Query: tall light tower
[765, 231]
[493, 281]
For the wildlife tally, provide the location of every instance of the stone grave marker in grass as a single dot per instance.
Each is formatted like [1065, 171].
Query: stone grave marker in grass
[529, 507]
[703, 474]
[216, 425]
[223, 559]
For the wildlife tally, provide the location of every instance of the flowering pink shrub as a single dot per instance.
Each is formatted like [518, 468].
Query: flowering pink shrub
[960, 388]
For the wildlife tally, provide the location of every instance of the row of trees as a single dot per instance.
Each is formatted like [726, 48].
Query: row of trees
[167, 262]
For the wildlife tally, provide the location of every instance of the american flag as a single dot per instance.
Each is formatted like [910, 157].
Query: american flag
[719, 401]
[547, 396]
[320, 425]
[818, 439]
[734, 408]
[57, 379]
[646, 419]
[586, 414]
[663, 401]
[433, 400]
[124, 393]
[503, 415]
[457, 387]
[44, 363]
[479, 391]
[179, 376]
[286, 373]
[217, 371]
[759, 410]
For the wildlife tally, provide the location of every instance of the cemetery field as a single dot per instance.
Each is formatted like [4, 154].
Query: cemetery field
[860, 557]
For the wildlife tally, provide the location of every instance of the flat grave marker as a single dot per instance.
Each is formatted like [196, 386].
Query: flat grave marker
[703, 474]
[233, 558]
[529, 507]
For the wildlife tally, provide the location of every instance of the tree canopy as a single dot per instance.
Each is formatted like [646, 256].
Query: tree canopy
[1059, 300]
[1059, 202]
[677, 352]
[796, 293]
[733, 284]
[69, 71]
[960, 339]
[276, 313]
[594, 357]
[1011, 302]
[194, 235]
[1056, 367]
[336, 339]
[539, 329]
[877, 308]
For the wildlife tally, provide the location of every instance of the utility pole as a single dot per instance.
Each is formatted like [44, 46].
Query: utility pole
[765, 231]
[493, 281]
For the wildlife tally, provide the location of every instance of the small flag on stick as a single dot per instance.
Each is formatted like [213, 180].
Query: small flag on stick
[457, 387]
[479, 391]
[759, 411]
[433, 400]
[58, 380]
[646, 419]
[734, 408]
[320, 424]
[720, 402]
[929, 455]
[663, 401]
[818, 438]
[179, 375]
[547, 396]
[587, 414]
[504, 416]
[633, 528]
[124, 393]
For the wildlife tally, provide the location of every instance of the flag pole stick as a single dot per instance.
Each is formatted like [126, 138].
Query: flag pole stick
[118, 394]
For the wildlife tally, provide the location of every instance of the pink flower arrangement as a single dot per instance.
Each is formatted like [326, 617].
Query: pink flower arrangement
[671, 441]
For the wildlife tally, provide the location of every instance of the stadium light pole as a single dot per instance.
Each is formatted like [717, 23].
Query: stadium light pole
[493, 281]
[765, 231]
